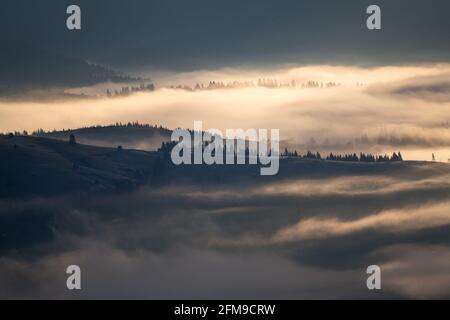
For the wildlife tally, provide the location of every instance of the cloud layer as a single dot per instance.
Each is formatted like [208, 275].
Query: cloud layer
[270, 239]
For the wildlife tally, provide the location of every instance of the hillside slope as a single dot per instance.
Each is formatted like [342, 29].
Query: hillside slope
[42, 166]
[132, 136]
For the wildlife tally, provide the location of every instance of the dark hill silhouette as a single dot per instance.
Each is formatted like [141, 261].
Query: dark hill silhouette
[129, 135]
[42, 166]
[25, 67]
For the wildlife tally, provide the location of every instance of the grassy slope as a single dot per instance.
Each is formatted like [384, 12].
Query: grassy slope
[46, 166]
[130, 137]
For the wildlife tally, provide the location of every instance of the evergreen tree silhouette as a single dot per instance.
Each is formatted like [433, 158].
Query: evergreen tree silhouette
[72, 140]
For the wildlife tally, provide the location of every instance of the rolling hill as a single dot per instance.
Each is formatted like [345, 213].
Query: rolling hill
[129, 136]
[43, 166]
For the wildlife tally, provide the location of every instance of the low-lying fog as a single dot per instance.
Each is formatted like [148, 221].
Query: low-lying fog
[300, 238]
[385, 109]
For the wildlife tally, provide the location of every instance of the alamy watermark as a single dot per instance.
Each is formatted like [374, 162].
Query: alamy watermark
[73, 21]
[374, 20]
[237, 146]
[374, 280]
[73, 281]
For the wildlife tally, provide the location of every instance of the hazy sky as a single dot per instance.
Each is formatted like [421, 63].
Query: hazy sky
[181, 34]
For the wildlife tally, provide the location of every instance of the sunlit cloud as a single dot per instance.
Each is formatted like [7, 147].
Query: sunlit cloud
[398, 220]
[356, 185]
[416, 271]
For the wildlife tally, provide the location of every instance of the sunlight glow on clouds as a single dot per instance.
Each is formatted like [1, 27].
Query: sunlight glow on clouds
[398, 220]
[397, 108]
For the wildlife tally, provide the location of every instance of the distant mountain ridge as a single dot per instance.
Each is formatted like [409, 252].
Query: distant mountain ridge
[25, 67]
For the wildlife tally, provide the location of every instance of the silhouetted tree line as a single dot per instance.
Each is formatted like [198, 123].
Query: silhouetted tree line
[15, 134]
[362, 157]
[263, 83]
[72, 140]
[228, 149]
[125, 91]
[166, 147]
[134, 124]
[366, 157]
